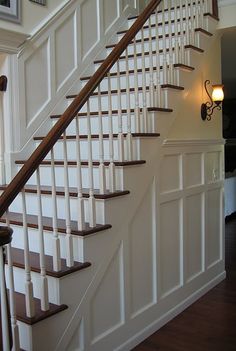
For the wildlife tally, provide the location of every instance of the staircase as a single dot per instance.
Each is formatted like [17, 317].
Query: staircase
[70, 199]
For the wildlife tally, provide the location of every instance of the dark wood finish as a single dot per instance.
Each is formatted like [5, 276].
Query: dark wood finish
[73, 192]
[3, 83]
[32, 222]
[85, 163]
[208, 324]
[215, 10]
[5, 235]
[39, 314]
[171, 86]
[115, 112]
[122, 73]
[204, 32]
[46, 145]
[106, 136]
[34, 261]
[212, 16]
[194, 48]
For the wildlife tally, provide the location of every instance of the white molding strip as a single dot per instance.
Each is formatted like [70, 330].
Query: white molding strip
[153, 327]
[11, 41]
[222, 3]
[192, 142]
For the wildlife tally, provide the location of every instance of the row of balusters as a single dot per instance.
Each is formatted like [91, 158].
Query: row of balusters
[179, 18]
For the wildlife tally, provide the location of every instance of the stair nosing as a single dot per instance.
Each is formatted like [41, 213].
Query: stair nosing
[35, 266]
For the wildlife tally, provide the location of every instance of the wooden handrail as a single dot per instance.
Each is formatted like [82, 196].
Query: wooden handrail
[215, 10]
[48, 142]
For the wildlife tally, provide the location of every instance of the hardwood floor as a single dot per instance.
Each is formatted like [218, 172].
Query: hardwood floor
[209, 324]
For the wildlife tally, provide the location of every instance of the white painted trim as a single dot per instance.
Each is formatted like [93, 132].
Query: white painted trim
[192, 142]
[222, 3]
[139, 337]
[11, 41]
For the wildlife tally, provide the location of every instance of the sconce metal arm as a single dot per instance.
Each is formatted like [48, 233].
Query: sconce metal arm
[208, 108]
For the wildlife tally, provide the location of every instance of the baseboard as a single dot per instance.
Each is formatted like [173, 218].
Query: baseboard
[157, 324]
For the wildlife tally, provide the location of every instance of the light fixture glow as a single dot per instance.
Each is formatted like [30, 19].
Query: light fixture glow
[217, 93]
[215, 101]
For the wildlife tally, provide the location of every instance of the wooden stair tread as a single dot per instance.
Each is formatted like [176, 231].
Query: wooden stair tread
[139, 54]
[32, 222]
[212, 16]
[39, 315]
[106, 136]
[115, 112]
[18, 261]
[123, 73]
[60, 191]
[85, 163]
[193, 47]
[166, 10]
[204, 31]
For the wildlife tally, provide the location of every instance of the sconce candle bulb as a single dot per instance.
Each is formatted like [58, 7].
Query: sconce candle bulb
[216, 98]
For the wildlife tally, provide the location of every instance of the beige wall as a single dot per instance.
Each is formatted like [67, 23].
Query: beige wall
[227, 15]
[33, 16]
[188, 124]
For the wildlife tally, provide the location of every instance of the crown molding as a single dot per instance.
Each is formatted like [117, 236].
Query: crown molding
[10, 41]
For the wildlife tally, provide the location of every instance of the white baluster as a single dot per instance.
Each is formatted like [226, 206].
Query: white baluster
[182, 49]
[192, 23]
[158, 68]
[92, 210]
[56, 241]
[2, 142]
[136, 91]
[121, 155]
[151, 77]
[29, 299]
[111, 141]
[44, 281]
[69, 239]
[187, 34]
[171, 71]
[14, 324]
[129, 135]
[80, 200]
[4, 304]
[176, 34]
[102, 177]
[144, 85]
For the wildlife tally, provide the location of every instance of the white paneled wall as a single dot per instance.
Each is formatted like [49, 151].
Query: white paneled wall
[166, 253]
[53, 60]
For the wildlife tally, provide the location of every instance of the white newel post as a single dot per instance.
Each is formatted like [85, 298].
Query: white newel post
[3, 87]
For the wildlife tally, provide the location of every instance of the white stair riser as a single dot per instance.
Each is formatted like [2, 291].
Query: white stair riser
[71, 149]
[53, 285]
[47, 207]
[147, 33]
[18, 242]
[45, 176]
[143, 99]
[167, 15]
[123, 80]
[71, 129]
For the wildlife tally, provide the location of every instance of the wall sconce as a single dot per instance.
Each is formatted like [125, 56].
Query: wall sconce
[217, 98]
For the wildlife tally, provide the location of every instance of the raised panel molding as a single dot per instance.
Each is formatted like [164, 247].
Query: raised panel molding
[89, 28]
[37, 81]
[170, 174]
[108, 300]
[77, 340]
[65, 64]
[194, 174]
[142, 253]
[214, 227]
[110, 13]
[194, 252]
[170, 250]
